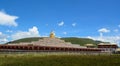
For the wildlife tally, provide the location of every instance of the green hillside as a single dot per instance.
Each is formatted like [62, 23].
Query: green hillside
[73, 40]
[81, 41]
[26, 40]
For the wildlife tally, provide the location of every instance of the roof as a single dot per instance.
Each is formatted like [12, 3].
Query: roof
[89, 45]
[117, 49]
[106, 44]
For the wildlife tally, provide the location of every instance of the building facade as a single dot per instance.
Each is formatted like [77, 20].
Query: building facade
[47, 44]
[107, 47]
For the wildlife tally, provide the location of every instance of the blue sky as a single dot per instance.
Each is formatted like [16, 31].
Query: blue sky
[95, 19]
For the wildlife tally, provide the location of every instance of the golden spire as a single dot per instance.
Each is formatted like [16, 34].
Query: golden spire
[52, 34]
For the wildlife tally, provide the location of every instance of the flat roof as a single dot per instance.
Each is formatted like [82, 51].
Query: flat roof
[106, 44]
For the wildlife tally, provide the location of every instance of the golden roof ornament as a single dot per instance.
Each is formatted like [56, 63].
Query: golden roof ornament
[52, 34]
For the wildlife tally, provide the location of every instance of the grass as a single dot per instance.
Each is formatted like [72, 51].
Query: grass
[58, 60]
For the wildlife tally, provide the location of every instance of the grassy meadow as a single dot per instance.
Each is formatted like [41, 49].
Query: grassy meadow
[58, 60]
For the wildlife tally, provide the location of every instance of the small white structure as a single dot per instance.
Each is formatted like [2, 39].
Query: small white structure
[90, 45]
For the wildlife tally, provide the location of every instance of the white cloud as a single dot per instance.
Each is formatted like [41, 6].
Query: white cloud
[103, 30]
[3, 38]
[46, 24]
[116, 30]
[95, 38]
[90, 37]
[111, 39]
[61, 23]
[7, 20]
[74, 24]
[9, 31]
[64, 33]
[118, 25]
[32, 32]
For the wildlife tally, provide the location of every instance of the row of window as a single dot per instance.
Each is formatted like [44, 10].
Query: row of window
[107, 47]
[46, 48]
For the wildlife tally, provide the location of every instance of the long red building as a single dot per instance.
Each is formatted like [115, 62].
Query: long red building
[48, 44]
[45, 48]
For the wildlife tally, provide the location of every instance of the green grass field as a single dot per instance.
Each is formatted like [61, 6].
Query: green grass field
[58, 60]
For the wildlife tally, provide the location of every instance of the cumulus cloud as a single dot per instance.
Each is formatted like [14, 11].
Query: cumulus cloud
[64, 33]
[7, 20]
[96, 38]
[61, 23]
[46, 24]
[118, 25]
[74, 24]
[3, 38]
[116, 30]
[112, 39]
[103, 30]
[32, 32]
[9, 31]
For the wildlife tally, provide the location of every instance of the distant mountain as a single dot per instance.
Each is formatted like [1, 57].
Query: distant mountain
[73, 40]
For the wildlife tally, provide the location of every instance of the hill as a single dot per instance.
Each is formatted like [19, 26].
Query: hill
[73, 40]
[81, 41]
[25, 40]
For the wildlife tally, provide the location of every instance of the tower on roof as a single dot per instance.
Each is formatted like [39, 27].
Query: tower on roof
[52, 34]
